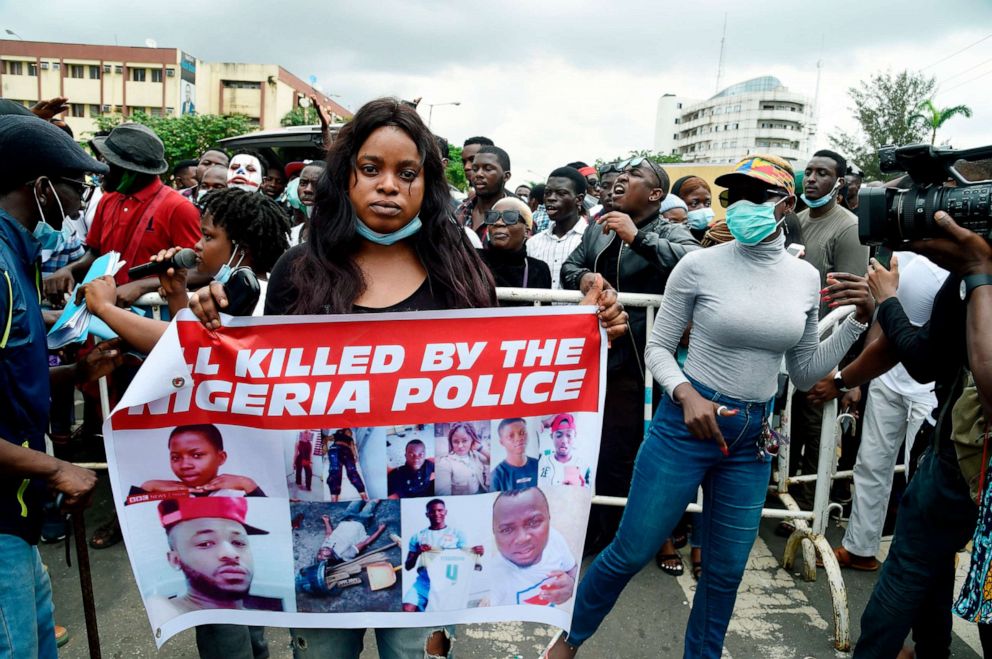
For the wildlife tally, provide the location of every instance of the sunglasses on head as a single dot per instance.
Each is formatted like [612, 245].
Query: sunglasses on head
[509, 217]
[611, 168]
[754, 195]
[634, 163]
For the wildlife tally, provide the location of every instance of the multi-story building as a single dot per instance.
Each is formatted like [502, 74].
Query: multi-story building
[758, 115]
[100, 80]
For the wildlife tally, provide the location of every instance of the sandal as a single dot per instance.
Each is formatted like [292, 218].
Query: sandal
[665, 564]
[697, 564]
[846, 559]
[107, 535]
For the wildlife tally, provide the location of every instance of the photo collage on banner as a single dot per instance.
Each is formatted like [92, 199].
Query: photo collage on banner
[344, 520]
[260, 482]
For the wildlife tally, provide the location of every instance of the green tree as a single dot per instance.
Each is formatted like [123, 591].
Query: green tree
[455, 172]
[301, 117]
[660, 158]
[932, 117]
[187, 136]
[883, 106]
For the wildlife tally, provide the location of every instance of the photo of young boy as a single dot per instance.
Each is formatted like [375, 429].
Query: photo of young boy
[518, 470]
[463, 462]
[196, 455]
[560, 463]
[534, 565]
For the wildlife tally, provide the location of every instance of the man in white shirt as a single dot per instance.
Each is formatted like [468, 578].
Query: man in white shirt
[350, 537]
[896, 407]
[535, 565]
[563, 196]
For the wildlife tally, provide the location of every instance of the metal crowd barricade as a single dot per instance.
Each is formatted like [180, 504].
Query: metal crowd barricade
[810, 524]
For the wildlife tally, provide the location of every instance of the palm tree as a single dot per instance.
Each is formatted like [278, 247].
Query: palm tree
[933, 117]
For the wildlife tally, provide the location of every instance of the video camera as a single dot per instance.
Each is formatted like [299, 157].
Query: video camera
[890, 215]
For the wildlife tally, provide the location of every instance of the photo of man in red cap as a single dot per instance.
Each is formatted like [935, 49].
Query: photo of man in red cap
[209, 543]
[560, 464]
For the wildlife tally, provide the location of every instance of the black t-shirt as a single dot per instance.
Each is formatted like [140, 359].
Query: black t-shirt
[516, 270]
[936, 352]
[281, 294]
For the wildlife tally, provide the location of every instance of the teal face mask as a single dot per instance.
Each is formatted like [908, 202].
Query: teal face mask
[700, 218]
[822, 201]
[412, 227]
[750, 223]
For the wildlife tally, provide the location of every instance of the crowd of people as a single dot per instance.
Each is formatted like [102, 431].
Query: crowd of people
[376, 227]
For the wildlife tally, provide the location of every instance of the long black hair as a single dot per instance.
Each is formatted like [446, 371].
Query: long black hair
[326, 276]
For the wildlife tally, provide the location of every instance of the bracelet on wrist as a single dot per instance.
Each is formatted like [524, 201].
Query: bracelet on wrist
[857, 324]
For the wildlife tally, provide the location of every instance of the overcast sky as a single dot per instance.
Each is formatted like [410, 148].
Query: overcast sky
[553, 82]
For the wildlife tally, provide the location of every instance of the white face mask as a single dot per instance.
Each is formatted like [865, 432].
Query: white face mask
[244, 172]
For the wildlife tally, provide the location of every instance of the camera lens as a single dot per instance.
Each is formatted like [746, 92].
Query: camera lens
[891, 216]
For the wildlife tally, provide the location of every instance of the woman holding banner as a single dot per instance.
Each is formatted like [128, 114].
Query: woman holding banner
[382, 240]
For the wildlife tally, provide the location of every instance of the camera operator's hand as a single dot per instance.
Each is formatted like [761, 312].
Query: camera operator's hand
[962, 252]
[207, 303]
[844, 288]
[883, 283]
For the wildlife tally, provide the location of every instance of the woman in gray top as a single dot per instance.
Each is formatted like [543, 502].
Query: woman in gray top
[751, 304]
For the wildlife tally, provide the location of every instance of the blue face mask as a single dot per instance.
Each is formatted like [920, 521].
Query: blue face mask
[412, 227]
[224, 274]
[750, 223]
[699, 218]
[822, 201]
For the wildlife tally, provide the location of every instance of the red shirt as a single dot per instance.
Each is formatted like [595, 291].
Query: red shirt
[176, 222]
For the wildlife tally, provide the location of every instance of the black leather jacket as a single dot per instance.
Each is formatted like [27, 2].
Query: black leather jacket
[643, 266]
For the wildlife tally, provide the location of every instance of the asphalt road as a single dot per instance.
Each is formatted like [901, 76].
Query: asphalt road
[778, 615]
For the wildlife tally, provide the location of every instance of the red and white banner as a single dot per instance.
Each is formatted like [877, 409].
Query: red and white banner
[383, 470]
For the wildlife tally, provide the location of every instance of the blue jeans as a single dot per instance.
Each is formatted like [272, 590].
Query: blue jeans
[670, 467]
[27, 623]
[393, 643]
[916, 587]
[231, 642]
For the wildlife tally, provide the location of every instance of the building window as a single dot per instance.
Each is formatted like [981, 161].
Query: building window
[157, 111]
[75, 70]
[156, 75]
[241, 84]
[675, 136]
[138, 75]
[94, 110]
[678, 106]
[32, 68]
[77, 109]
[13, 68]
[94, 72]
[677, 120]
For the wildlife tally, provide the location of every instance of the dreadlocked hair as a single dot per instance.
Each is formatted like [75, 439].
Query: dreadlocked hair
[253, 221]
[326, 275]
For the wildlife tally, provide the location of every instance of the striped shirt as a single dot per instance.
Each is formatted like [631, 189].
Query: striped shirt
[553, 250]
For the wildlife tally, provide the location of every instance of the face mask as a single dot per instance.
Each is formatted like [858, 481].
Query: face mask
[308, 210]
[245, 172]
[822, 201]
[412, 227]
[41, 212]
[700, 218]
[750, 223]
[224, 274]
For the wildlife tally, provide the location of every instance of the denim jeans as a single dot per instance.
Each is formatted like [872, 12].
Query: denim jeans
[393, 643]
[916, 587]
[27, 625]
[669, 469]
[231, 642]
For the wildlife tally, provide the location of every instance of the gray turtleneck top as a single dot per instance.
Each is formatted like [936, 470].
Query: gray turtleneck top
[749, 306]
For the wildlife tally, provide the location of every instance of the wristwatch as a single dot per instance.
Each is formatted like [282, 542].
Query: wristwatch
[839, 382]
[971, 282]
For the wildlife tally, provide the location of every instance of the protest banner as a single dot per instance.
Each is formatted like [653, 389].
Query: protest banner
[376, 470]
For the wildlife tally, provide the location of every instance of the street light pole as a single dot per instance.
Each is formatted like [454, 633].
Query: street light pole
[430, 109]
[14, 34]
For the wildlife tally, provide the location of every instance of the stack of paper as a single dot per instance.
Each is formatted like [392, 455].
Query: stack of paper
[76, 322]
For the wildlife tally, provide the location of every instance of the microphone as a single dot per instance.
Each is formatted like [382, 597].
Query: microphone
[184, 258]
